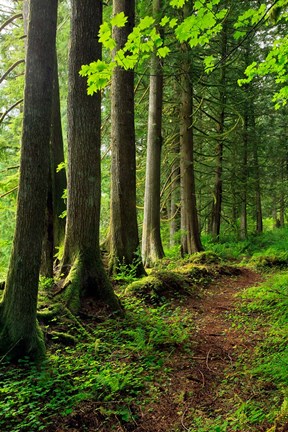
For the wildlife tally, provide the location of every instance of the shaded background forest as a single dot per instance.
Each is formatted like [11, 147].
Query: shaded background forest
[240, 140]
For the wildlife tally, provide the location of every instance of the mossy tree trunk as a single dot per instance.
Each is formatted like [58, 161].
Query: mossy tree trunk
[82, 261]
[20, 334]
[55, 225]
[124, 239]
[152, 249]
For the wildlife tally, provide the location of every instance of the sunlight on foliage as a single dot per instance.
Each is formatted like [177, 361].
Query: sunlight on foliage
[144, 39]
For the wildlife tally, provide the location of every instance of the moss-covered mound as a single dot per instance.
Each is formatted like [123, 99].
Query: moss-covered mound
[205, 257]
[198, 275]
[159, 286]
[188, 279]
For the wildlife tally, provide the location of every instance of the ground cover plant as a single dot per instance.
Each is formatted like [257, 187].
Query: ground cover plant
[111, 363]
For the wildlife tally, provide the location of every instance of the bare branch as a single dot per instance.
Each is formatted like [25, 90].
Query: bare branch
[10, 20]
[10, 69]
[10, 109]
[9, 192]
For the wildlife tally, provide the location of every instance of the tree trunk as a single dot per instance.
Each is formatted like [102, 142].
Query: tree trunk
[282, 192]
[81, 246]
[244, 180]
[191, 241]
[218, 187]
[47, 257]
[258, 203]
[276, 222]
[55, 225]
[175, 198]
[124, 239]
[282, 210]
[20, 334]
[59, 182]
[152, 249]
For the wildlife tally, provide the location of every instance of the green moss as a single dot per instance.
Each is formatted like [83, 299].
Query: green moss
[143, 286]
[46, 315]
[173, 282]
[160, 286]
[16, 346]
[198, 275]
[87, 278]
[205, 257]
[72, 284]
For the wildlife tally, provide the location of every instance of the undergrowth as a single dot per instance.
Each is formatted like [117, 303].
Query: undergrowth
[270, 243]
[118, 360]
[115, 361]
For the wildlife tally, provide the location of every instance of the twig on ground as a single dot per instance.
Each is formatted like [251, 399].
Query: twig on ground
[207, 360]
[203, 378]
[182, 420]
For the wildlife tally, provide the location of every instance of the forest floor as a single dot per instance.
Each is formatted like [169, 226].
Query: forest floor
[196, 377]
[192, 385]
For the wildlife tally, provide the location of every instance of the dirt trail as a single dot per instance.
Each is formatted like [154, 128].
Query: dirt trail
[196, 375]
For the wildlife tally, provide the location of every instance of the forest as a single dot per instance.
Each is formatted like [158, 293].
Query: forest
[143, 216]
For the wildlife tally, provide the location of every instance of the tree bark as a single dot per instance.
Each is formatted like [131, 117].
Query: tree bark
[175, 197]
[124, 239]
[244, 179]
[55, 225]
[20, 334]
[82, 261]
[152, 249]
[257, 177]
[218, 186]
[282, 191]
[190, 242]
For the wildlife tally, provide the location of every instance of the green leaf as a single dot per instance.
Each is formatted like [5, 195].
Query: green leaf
[61, 166]
[99, 74]
[163, 51]
[105, 36]
[173, 23]
[119, 20]
[239, 34]
[146, 22]
[164, 21]
[209, 62]
[177, 3]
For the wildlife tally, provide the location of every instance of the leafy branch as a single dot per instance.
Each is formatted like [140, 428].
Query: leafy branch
[144, 40]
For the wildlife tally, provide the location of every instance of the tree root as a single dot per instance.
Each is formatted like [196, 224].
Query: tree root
[47, 315]
[61, 337]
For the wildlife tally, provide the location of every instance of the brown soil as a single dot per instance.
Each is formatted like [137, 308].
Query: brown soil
[194, 380]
